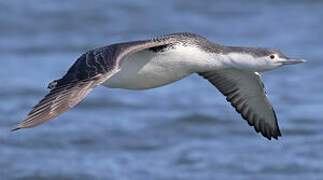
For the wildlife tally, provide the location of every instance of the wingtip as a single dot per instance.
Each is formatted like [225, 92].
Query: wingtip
[276, 135]
[16, 128]
[270, 136]
[279, 133]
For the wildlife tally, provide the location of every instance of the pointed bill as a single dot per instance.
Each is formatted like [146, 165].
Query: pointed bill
[292, 61]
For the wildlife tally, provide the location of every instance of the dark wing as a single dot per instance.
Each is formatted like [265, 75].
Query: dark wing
[246, 93]
[90, 70]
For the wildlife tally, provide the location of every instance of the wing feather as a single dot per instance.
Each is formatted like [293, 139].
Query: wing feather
[56, 102]
[90, 70]
[245, 91]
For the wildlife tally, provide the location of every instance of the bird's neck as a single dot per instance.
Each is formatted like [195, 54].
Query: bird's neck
[241, 61]
[236, 57]
[211, 57]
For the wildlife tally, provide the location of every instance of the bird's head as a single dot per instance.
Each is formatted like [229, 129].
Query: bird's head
[258, 59]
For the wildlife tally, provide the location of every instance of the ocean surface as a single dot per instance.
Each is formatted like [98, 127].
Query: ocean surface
[182, 131]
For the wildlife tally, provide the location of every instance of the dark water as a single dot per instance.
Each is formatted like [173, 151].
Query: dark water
[165, 133]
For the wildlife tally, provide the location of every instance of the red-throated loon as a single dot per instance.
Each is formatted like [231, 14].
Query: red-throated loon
[152, 63]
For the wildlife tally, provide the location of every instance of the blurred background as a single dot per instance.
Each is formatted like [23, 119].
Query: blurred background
[165, 133]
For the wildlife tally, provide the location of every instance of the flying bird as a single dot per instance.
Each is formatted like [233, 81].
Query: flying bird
[146, 64]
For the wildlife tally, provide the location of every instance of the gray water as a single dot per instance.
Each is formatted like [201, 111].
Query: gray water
[185, 130]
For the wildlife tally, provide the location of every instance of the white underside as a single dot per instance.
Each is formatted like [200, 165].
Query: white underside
[146, 69]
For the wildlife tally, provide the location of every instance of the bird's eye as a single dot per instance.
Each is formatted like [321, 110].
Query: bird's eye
[272, 56]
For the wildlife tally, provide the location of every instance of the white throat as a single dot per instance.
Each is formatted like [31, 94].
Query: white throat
[247, 62]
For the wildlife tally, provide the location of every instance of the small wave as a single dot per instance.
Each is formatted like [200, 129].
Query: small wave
[83, 141]
[143, 147]
[55, 177]
[284, 169]
[200, 119]
[95, 104]
[300, 132]
[21, 92]
[307, 121]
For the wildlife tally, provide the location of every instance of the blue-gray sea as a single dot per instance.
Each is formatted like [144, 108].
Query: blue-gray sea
[182, 131]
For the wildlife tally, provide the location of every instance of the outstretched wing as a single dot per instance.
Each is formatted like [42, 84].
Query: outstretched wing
[56, 102]
[90, 70]
[246, 93]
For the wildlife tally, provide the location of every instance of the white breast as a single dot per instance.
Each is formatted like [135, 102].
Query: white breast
[147, 69]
